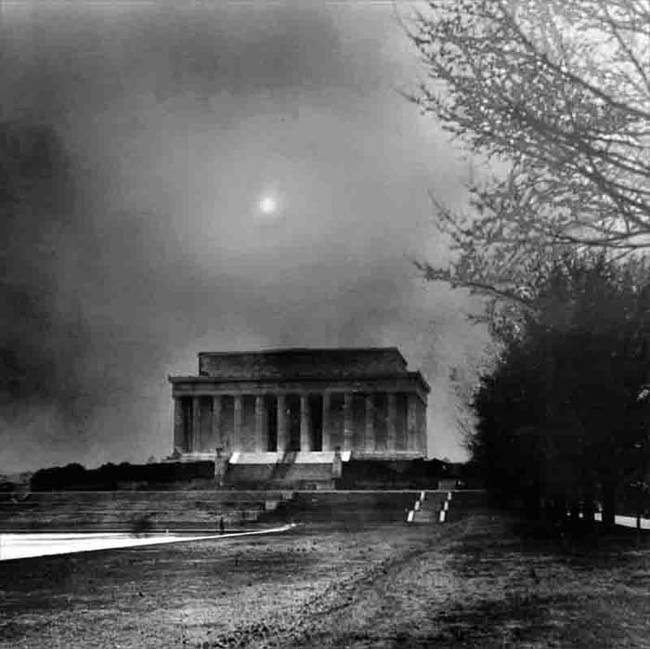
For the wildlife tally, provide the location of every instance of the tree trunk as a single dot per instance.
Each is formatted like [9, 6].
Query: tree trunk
[609, 504]
[531, 503]
[588, 510]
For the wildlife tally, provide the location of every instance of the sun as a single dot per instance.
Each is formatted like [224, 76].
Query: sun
[268, 205]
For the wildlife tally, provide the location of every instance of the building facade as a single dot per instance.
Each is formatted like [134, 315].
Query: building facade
[364, 403]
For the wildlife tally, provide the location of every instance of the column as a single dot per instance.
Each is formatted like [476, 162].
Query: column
[260, 440]
[412, 423]
[283, 442]
[305, 432]
[348, 429]
[391, 437]
[422, 427]
[196, 424]
[327, 437]
[179, 425]
[370, 423]
[216, 421]
[238, 406]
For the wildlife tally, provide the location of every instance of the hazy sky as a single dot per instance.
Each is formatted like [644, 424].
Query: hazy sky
[162, 126]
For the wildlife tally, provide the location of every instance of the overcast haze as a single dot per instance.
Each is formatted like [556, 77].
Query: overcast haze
[165, 126]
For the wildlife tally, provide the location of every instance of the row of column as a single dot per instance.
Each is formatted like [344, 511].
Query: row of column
[283, 433]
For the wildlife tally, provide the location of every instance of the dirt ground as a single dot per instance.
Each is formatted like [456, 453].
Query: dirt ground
[474, 583]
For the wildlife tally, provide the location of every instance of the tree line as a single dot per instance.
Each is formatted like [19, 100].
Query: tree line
[112, 477]
[554, 99]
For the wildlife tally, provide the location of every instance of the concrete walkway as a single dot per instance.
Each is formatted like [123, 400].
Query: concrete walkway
[628, 521]
[20, 546]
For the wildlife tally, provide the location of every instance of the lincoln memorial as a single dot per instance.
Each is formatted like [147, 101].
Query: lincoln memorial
[361, 403]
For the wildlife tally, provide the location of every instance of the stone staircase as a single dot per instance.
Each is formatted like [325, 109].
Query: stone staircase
[290, 470]
[429, 507]
[444, 506]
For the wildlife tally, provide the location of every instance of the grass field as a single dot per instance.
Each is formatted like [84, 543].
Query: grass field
[473, 583]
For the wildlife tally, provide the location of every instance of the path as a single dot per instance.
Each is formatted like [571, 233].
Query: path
[628, 521]
[21, 546]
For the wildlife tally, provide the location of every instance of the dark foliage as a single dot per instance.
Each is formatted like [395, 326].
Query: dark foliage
[110, 476]
[412, 474]
[561, 424]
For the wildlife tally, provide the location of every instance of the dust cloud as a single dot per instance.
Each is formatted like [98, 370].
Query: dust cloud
[135, 145]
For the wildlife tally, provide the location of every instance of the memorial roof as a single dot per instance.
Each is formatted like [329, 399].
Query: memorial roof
[297, 363]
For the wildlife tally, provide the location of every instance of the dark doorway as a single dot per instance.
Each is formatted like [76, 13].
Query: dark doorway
[359, 421]
[293, 423]
[316, 420]
[380, 421]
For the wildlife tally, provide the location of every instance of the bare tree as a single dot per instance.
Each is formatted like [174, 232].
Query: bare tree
[558, 94]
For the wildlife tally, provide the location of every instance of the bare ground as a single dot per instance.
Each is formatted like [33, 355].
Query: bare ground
[474, 583]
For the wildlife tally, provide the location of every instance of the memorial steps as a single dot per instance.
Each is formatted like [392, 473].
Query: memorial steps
[288, 476]
[288, 470]
[446, 506]
[139, 511]
[351, 507]
[428, 507]
[202, 510]
[148, 511]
